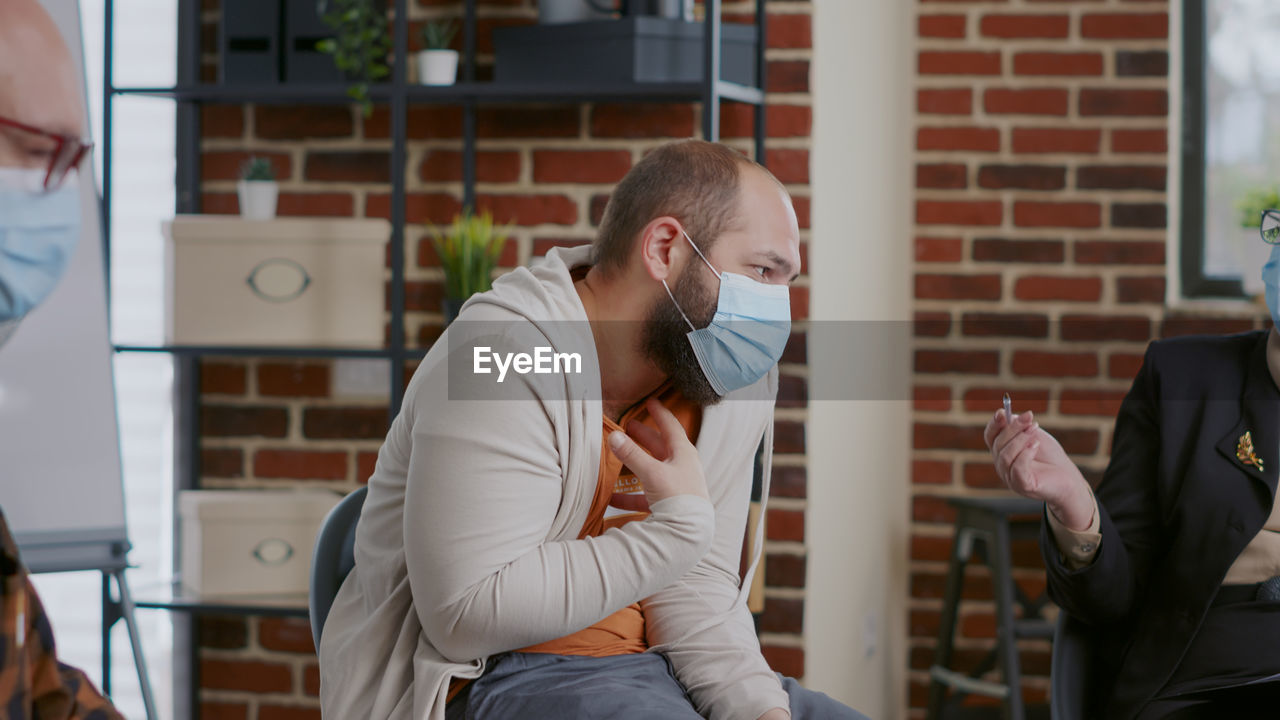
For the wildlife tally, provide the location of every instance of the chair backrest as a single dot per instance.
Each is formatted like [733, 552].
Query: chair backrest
[1069, 672]
[334, 556]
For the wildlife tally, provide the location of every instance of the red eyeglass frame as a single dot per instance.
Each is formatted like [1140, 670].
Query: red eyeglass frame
[64, 144]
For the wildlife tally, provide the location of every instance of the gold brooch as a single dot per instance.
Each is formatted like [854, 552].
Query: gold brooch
[1244, 452]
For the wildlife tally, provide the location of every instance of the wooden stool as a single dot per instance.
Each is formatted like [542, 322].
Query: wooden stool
[990, 524]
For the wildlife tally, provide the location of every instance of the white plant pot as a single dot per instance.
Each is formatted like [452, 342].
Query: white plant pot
[258, 199]
[437, 67]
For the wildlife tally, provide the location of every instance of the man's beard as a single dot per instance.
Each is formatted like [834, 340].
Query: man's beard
[664, 339]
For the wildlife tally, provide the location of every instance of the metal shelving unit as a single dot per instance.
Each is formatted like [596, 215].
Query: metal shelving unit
[189, 94]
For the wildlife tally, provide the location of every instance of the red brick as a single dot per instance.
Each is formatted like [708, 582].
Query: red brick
[222, 121]
[425, 122]
[1123, 103]
[245, 675]
[931, 398]
[937, 62]
[786, 660]
[1022, 177]
[959, 212]
[942, 176]
[958, 138]
[931, 509]
[1025, 26]
[784, 524]
[788, 481]
[737, 120]
[957, 287]
[978, 625]
[931, 324]
[1099, 403]
[300, 122]
[363, 166]
[940, 26]
[315, 204]
[801, 205]
[1140, 141]
[243, 421]
[930, 472]
[222, 462]
[227, 164]
[989, 399]
[1124, 366]
[580, 166]
[929, 586]
[924, 623]
[293, 379]
[636, 120]
[491, 166]
[1135, 328]
[1056, 140]
[1053, 287]
[1175, 325]
[344, 423]
[799, 303]
[1034, 363]
[1029, 101]
[1142, 63]
[789, 165]
[1138, 215]
[288, 712]
[530, 209]
[1024, 251]
[787, 76]
[788, 437]
[1027, 213]
[300, 464]
[944, 101]
[784, 570]
[790, 30]
[989, 324]
[938, 436]
[365, 464]
[420, 208]
[291, 635]
[1058, 63]
[939, 249]
[1147, 289]
[1125, 26]
[782, 615]
[223, 632]
[423, 296]
[968, 362]
[982, 475]
[793, 391]
[1119, 252]
[523, 121]
[311, 680]
[218, 378]
[1121, 177]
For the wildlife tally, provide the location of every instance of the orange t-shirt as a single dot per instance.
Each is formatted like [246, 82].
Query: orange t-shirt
[621, 633]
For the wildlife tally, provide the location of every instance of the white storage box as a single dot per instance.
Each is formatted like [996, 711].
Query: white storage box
[287, 281]
[250, 542]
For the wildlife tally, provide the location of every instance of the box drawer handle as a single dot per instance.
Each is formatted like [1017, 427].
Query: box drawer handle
[278, 280]
[273, 551]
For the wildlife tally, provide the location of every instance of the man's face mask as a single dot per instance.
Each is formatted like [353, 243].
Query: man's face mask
[38, 233]
[747, 334]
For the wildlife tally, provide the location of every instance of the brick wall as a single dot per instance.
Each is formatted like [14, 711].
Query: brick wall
[1042, 204]
[547, 169]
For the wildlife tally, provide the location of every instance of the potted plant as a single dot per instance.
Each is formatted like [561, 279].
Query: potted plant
[1253, 251]
[258, 189]
[469, 251]
[437, 63]
[360, 44]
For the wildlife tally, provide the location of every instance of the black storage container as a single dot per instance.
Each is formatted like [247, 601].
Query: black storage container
[303, 30]
[249, 42]
[626, 50]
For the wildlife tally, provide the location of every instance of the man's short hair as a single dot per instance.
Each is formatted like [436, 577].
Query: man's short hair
[694, 181]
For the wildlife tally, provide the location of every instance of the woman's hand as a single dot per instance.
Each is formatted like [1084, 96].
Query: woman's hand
[1032, 463]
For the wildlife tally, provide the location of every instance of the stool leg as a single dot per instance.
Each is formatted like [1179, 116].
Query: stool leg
[950, 609]
[1002, 585]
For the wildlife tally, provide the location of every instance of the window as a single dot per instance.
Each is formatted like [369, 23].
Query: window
[1231, 147]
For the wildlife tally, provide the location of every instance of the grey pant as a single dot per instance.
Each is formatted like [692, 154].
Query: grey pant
[621, 687]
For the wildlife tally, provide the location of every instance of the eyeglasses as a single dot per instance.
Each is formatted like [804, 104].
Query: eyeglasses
[1270, 227]
[64, 152]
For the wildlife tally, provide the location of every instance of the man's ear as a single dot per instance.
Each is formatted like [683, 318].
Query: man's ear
[660, 247]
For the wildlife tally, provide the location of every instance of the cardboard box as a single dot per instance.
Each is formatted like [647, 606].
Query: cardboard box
[250, 542]
[282, 282]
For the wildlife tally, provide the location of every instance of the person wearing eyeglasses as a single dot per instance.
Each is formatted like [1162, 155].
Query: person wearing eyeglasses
[1174, 563]
[40, 149]
[41, 123]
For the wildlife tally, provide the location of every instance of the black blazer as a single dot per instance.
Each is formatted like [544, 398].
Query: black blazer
[1177, 506]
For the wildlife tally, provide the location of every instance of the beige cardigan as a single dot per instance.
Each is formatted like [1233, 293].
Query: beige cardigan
[467, 545]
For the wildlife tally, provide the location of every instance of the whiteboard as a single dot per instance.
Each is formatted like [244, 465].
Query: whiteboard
[61, 484]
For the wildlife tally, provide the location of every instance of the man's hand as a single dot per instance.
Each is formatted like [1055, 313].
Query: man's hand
[776, 714]
[1032, 463]
[671, 466]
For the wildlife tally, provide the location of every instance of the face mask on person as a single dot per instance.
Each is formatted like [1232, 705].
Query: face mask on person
[747, 334]
[38, 233]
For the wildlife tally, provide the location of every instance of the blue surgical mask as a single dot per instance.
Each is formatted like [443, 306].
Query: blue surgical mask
[38, 233]
[747, 334]
[1271, 280]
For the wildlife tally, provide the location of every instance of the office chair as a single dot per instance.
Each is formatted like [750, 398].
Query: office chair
[334, 557]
